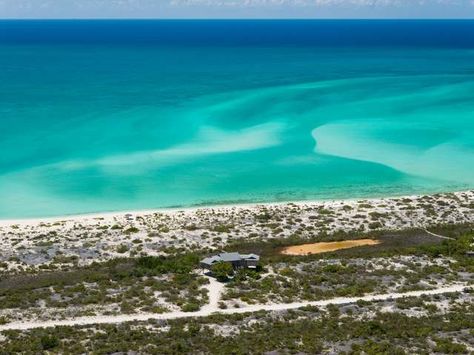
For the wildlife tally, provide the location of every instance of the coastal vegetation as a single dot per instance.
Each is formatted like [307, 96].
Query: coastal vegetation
[120, 285]
[61, 244]
[403, 261]
[138, 264]
[313, 277]
[440, 324]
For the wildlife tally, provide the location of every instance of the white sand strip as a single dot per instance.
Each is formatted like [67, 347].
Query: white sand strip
[437, 235]
[207, 311]
[88, 218]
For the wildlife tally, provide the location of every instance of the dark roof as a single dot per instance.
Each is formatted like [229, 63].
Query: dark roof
[211, 260]
[250, 257]
[230, 257]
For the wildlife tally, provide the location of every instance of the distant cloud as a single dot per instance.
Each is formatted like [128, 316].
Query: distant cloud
[320, 3]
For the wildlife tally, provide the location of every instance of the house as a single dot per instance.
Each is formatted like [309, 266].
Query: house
[237, 260]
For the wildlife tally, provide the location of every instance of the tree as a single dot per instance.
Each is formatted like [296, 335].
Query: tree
[222, 271]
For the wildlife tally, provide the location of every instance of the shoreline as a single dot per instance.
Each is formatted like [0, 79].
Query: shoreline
[226, 207]
[105, 236]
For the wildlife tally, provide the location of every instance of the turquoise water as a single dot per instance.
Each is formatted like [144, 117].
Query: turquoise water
[102, 125]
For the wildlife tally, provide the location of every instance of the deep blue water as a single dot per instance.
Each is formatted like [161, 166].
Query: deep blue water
[332, 33]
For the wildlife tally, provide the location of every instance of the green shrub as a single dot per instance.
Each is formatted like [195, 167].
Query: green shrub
[222, 271]
[122, 248]
[190, 307]
[49, 342]
[446, 346]
[181, 264]
[375, 225]
[131, 230]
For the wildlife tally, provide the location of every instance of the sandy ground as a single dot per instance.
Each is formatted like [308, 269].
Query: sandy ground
[207, 311]
[215, 289]
[318, 248]
[81, 240]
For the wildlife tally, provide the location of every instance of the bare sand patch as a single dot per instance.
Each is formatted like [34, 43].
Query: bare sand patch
[324, 247]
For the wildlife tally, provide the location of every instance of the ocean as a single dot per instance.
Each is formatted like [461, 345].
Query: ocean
[129, 115]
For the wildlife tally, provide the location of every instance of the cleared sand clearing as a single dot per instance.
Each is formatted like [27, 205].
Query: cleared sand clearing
[317, 248]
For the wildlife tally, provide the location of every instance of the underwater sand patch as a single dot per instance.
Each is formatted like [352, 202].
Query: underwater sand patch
[324, 247]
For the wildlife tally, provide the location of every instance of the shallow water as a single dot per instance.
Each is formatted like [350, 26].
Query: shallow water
[101, 116]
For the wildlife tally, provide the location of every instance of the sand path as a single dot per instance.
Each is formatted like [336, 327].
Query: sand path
[215, 289]
[210, 309]
[437, 235]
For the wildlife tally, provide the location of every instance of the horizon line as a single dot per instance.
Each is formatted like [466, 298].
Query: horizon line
[238, 19]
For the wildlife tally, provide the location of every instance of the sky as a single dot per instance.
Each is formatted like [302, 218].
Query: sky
[172, 9]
